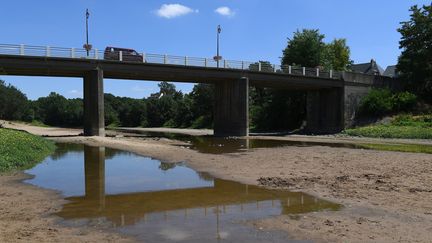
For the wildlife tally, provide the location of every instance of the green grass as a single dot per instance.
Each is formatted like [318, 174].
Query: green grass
[21, 150]
[389, 131]
[402, 126]
[38, 123]
[33, 123]
[412, 148]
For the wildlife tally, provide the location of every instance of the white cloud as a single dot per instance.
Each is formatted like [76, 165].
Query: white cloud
[174, 10]
[76, 93]
[139, 88]
[225, 11]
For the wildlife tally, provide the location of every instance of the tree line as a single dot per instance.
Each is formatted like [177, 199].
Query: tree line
[269, 109]
[168, 107]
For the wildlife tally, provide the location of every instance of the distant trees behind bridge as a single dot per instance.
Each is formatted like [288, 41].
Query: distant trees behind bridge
[168, 107]
[307, 49]
[269, 110]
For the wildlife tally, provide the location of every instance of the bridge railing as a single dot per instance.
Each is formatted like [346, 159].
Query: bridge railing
[80, 53]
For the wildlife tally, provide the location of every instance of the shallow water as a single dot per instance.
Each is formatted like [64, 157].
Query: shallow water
[221, 145]
[161, 202]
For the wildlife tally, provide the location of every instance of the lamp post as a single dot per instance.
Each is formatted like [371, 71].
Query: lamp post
[87, 46]
[218, 58]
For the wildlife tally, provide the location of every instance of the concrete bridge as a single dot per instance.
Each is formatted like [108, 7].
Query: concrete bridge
[332, 97]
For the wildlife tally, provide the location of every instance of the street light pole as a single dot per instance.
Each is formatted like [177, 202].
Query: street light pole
[87, 39]
[217, 48]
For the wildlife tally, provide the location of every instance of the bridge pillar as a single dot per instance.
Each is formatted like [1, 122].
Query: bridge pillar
[325, 111]
[231, 112]
[94, 121]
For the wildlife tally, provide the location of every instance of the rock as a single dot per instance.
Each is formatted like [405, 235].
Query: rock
[329, 223]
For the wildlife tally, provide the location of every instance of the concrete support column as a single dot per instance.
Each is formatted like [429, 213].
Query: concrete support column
[94, 120]
[325, 111]
[94, 168]
[231, 114]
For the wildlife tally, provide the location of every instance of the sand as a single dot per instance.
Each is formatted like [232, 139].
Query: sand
[386, 195]
[25, 216]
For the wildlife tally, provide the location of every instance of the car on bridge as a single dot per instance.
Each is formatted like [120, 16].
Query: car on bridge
[122, 54]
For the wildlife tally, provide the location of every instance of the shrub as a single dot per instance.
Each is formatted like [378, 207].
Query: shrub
[380, 102]
[404, 101]
[403, 120]
[201, 122]
[169, 123]
[377, 103]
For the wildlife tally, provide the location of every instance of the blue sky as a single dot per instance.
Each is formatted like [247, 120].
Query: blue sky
[251, 30]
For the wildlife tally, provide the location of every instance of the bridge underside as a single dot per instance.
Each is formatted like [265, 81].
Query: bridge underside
[325, 96]
[324, 109]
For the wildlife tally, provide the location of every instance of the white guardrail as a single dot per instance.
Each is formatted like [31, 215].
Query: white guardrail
[132, 56]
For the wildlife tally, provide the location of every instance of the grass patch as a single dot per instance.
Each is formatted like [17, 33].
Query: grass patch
[402, 126]
[21, 150]
[32, 123]
[412, 148]
[390, 131]
[38, 123]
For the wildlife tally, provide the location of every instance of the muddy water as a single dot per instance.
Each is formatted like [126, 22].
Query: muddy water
[160, 202]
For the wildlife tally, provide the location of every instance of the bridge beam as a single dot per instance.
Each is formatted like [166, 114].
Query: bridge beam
[325, 111]
[231, 112]
[94, 121]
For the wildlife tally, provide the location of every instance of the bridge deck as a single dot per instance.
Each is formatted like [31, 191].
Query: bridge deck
[68, 67]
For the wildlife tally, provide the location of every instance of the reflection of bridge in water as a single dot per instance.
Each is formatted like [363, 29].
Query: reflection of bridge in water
[129, 208]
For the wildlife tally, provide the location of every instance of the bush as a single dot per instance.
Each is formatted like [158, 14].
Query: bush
[377, 103]
[380, 102]
[202, 122]
[170, 123]
[413, 121]
[404, 101]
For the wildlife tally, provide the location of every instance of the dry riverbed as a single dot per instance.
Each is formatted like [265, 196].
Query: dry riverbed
[387, 195]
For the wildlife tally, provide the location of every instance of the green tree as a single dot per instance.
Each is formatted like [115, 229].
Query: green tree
[336, 56]
[304, 49]
[124, 111]
[56, 110]
[415, 62]
[202, 103]
[160, 111]
[132, 112]
[111, 115]
[168, 89]
[162, 107]
[14, 105]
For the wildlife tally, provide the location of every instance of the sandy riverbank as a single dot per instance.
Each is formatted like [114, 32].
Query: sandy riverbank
[386, 195]
[25, 216]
